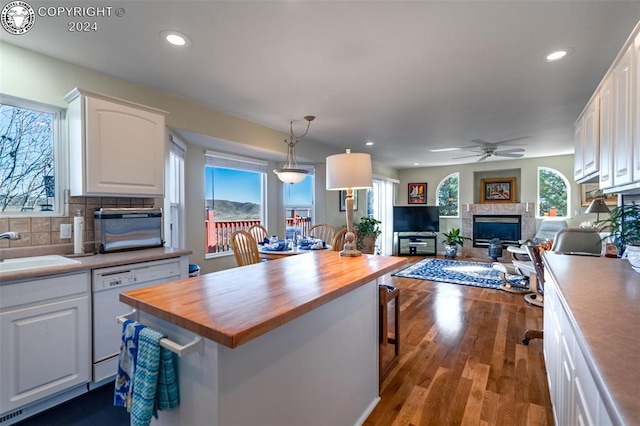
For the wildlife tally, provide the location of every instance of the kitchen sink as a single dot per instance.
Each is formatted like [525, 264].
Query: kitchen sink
[35, 262]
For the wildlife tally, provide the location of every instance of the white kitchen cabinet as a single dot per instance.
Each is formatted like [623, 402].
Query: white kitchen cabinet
[622, 149]
[587, 154]
[606, 133]
[116, 148]
[575, 398]
[636, 110]
[45, 329]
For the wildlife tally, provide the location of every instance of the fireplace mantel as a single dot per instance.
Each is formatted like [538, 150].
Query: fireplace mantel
[525, 210]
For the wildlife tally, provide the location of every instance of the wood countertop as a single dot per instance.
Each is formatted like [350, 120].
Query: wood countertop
[602, 298]
[237, 305]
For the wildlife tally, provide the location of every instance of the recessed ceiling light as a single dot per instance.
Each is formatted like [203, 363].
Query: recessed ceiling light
[444, 149]
[369, 143]
[558, 54]
[416, 164]
[176, 38]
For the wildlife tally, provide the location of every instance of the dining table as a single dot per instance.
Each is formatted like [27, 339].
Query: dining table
[271, 254]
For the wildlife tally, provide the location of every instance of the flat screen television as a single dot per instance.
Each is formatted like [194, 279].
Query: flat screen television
[416, 219]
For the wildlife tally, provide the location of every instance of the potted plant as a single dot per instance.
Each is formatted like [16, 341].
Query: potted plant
[452, 240]
[623, 225]
[368, 231]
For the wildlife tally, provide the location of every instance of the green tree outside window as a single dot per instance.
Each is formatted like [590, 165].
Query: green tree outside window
[553, 191]
[447, 194]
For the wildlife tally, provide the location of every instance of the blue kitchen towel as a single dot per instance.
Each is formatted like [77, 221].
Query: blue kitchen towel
[126, 364]
[167, 396]
[154, 384]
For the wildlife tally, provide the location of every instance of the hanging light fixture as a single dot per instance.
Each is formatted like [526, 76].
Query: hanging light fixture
[291, 173]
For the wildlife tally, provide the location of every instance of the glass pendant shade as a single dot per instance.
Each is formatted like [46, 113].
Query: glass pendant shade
[291, 173]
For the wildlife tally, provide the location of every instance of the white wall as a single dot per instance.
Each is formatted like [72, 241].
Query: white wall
[471, 173]
[29, 75]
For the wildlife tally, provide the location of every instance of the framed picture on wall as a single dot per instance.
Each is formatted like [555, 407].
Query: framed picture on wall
[417, 193]
[498, 190]
[591, 191]
[343, 199]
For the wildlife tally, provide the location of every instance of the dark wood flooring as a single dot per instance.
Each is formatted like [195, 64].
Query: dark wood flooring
[462, 361]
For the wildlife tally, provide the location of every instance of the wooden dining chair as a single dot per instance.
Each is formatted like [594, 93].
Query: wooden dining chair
[245, 248]
[259, 233]
[323, 231]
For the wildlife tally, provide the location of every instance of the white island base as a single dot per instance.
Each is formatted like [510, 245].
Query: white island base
[319, 369]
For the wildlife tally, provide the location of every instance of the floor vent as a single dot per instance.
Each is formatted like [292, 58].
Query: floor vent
[10, 416]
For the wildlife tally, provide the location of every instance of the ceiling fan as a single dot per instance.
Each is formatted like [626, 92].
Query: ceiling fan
[484, 149]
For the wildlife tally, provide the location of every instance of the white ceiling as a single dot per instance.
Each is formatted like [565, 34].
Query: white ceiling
[410, 76]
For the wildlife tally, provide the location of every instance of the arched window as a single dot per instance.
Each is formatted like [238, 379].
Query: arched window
[447, 196]
[554, 193]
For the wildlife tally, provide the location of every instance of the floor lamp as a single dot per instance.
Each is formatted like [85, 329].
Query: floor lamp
[347, 172]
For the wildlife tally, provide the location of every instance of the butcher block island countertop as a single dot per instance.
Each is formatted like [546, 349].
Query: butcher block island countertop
[602, 298]
[234, 306]
[286, 342]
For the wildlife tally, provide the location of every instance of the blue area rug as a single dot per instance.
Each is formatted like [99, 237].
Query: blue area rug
[477, 274]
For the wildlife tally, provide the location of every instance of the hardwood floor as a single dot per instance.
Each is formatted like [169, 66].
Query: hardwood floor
[462, 361]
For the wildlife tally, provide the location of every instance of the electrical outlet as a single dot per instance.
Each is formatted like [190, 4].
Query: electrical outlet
[65, 231]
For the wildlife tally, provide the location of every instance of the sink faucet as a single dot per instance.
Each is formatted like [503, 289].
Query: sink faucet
[9, 236]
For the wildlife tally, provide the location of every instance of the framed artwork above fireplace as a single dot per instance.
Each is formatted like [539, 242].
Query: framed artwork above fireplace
[498, 190]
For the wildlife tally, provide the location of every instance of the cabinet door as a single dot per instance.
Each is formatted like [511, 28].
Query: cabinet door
[578, 168]
[125, 149]
[606, 133]
[591, 145]
[45, 349]
[622, 157]
[636, 110]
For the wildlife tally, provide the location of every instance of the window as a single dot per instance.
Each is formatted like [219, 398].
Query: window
[30, 167]
[174, 200]
[298, 205]
[553, 193]
[447, 196]
[234, 198]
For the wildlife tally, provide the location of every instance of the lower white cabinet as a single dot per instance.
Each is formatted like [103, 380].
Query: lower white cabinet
[576, 399]
[45, 332]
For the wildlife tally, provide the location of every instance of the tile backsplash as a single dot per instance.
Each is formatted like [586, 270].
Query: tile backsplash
[40, 232]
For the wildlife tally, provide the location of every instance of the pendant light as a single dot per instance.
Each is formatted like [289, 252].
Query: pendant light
[291, 173]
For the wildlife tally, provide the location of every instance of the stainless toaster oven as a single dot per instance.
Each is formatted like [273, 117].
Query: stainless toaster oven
[119, 229]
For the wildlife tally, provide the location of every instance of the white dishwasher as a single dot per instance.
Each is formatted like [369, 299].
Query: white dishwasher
[107, 284]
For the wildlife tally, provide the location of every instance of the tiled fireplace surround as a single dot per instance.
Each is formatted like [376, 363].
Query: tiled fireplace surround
[41, 235]
[526, 210]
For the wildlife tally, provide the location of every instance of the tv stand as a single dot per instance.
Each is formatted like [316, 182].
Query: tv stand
[417, 244]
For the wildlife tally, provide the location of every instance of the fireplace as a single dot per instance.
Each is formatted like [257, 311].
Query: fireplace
[507, 228]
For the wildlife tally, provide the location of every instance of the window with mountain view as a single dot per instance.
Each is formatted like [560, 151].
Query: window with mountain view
[28, 149]
[298, 206]
[553, 193]
[447, 196]
[234, 198]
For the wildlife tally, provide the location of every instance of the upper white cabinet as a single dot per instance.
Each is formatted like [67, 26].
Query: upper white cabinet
[606, 133]
[636, 110]
[587, 154]
[116, 148]
[622, 154]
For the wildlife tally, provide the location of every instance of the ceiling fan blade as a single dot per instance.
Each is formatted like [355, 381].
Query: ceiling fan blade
[484, 157]
[509, 151]
[467, 156]
[512, 155]
[511, 140]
